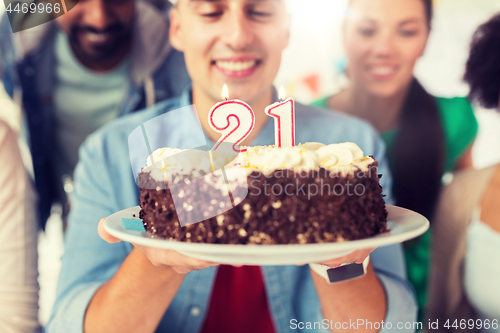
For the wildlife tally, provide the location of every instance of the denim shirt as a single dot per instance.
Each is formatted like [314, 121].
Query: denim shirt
[104, 184]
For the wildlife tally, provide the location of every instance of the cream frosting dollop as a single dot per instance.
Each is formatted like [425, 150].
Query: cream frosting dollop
[340, 154]
[312, 145]
[272, 158]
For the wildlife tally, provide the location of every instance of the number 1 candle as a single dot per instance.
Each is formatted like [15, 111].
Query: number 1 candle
[233, 119]
[283, 113]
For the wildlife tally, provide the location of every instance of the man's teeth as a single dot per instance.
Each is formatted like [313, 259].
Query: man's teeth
[236, 65]
[383, 70]
[97, 37]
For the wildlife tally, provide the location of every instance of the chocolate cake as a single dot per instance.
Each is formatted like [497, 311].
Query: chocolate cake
[310, 193]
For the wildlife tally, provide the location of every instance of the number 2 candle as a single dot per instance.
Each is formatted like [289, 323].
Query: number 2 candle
[233, 119]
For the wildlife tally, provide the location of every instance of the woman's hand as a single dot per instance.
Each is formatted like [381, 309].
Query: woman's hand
[160, 257]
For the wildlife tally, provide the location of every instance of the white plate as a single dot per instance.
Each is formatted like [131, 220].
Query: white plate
[404, 224]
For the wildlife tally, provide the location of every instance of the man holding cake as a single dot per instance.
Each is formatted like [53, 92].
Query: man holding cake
[107, 287]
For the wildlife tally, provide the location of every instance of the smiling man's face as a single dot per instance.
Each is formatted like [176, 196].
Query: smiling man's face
[233, 42]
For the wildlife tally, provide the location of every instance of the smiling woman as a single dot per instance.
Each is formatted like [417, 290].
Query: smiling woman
[425, 135]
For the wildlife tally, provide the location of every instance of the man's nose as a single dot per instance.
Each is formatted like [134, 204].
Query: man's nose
[97, 15]
[238, 32]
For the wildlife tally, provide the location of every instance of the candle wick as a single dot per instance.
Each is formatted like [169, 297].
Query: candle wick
[225, 98]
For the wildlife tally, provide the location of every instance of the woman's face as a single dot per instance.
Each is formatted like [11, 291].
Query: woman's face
[383, 40]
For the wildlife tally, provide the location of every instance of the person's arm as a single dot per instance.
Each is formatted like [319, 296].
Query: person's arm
[465, 161]
[18, 241]
[490, 210]
[135, 299]
[460, 131]
[362, 298]
[88, 261]
[383, 295]
[106, 286]
[118, 306]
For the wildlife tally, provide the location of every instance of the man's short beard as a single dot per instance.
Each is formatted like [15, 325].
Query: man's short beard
[99, 53]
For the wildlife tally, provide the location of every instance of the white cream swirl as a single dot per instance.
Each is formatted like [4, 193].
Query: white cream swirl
[163, 163]
[272, 158]
[340, 157]
[247, 155]
[304, 157]
[161, 153]
[341, 154]
[314, 146]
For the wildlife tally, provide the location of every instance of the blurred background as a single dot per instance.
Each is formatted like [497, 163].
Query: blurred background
[312, 67]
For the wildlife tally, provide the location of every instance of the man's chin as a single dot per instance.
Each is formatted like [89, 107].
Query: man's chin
[94, 54]
[246, 94]
[89, 52]
[245, 89]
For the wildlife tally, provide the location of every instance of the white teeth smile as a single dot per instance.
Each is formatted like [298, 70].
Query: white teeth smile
[97, 38]
[383, 70]
[236, 65]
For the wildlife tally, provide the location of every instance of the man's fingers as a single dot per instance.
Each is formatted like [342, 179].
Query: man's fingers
[184, 269]
[362, 255]
[357, 257]
[181, 269]
[104, 235]
[158, 257]
[163, 257]
[331, 264]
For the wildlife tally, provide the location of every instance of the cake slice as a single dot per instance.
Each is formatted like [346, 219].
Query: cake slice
[311, 193]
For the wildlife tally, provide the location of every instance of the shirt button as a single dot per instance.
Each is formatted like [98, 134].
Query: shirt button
[195, 311]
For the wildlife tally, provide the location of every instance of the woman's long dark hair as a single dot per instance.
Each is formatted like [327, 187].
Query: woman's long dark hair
[418, 151]
[417, 154]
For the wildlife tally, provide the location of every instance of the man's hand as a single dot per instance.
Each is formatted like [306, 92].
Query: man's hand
[356, 257]
[160, 257]
[354, 298]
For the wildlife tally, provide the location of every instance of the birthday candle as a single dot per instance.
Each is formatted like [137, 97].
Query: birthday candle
[233, 119]
[283, 113]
